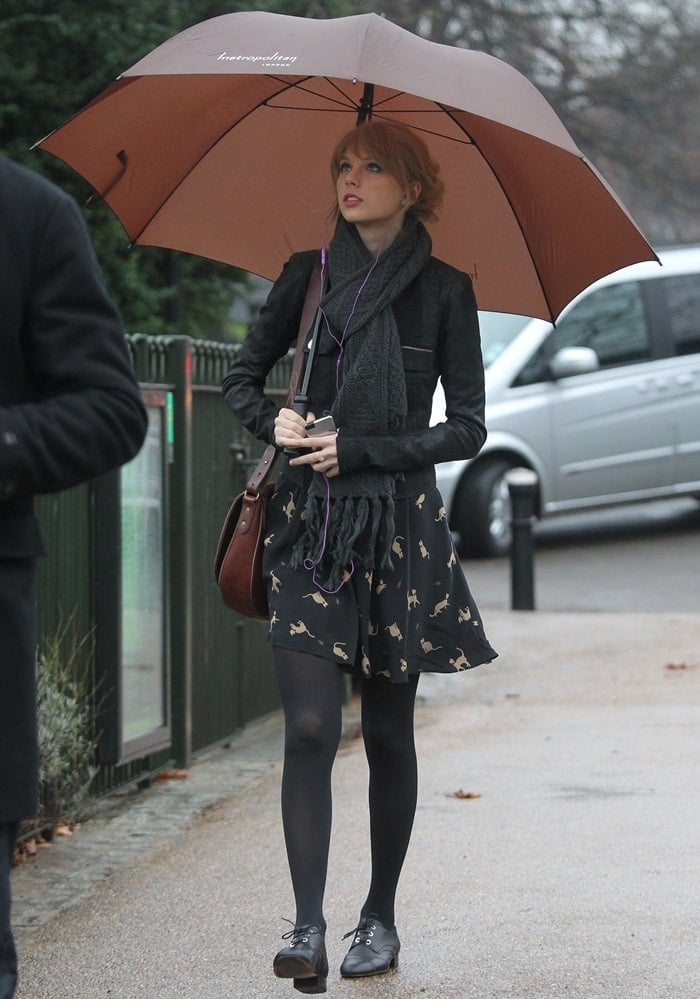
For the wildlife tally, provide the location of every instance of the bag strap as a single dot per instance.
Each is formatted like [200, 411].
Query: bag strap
[309, 310]
[311, 301]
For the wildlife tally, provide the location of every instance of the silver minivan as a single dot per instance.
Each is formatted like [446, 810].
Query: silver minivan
[604, 407]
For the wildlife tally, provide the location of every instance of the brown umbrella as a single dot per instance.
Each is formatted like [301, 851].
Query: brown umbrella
[218, 142]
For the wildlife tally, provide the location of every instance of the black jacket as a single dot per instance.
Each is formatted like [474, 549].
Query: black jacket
[439, 331]
[69, 404]
[70, 408]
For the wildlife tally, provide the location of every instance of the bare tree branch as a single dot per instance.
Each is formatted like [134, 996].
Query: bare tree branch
[622, 75]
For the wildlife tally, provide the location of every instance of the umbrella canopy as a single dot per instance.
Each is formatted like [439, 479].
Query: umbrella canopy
[218, 143]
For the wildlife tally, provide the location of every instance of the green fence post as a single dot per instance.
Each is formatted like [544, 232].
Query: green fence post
[180, 544]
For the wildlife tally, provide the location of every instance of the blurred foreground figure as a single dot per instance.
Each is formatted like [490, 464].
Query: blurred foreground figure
[70, 409]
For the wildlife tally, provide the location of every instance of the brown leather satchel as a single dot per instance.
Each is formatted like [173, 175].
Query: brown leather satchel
[238, 560]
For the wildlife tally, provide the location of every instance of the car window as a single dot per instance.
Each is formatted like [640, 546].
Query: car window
[611, 321]
[683, 299]
[498, 330]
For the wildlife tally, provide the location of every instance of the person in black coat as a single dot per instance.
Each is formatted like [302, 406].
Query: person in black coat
[70, 409]
[361, 569]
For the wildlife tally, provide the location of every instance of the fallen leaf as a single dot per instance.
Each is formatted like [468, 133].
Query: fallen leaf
[24, 851]
[676, 666]
[464, 795]
[173, 775]
[63, 829]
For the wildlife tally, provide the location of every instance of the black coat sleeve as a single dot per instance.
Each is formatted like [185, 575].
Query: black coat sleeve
[462, 433]
[77, 411]
[274, 332]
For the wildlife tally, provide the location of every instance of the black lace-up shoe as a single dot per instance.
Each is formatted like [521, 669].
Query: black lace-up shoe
[304, 959]
[374, 949]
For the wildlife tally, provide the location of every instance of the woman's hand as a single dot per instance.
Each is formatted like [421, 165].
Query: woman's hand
[289, 429]
[323, 457]
[290, 432]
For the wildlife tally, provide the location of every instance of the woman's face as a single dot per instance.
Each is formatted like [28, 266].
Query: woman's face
[371, 198]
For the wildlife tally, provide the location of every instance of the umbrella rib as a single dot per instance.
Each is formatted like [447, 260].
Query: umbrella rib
[101, 195]
[449, 114]
[347, 102]
[466, 141]
[340, 90]
[293, 107]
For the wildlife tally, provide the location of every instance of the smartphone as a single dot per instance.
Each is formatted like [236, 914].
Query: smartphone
[323, 425]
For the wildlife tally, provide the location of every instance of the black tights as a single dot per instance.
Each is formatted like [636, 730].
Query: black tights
[312, 692]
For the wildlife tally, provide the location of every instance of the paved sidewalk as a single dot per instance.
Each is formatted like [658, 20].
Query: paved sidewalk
[573, 873]
[131, 826]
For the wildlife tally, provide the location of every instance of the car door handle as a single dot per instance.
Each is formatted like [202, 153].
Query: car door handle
[684, 380]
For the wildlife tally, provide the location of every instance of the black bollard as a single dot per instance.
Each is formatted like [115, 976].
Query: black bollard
[522, 484]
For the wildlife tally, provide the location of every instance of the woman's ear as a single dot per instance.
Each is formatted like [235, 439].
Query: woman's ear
[414, 190]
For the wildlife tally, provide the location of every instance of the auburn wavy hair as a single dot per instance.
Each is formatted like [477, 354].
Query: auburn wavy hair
[403, 154]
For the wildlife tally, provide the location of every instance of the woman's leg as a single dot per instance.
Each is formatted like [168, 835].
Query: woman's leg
[387, 729]
[312, 691]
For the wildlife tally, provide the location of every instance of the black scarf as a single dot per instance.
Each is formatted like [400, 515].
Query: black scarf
[350, 518]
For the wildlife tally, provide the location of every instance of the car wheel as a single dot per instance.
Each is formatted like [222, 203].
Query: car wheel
[481, 511]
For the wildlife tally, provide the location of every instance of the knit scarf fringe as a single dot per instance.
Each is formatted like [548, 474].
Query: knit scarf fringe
[350, 518]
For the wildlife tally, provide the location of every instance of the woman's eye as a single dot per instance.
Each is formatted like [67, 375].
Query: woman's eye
[374, 167]
[343, 168]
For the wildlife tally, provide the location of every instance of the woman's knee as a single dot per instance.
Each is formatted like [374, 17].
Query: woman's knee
[393, 744]
[387, 717]
[309, 733]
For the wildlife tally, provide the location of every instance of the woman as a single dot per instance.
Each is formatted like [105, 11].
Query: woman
[362, 573]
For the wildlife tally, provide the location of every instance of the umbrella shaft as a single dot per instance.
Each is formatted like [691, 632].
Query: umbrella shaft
[366, 102]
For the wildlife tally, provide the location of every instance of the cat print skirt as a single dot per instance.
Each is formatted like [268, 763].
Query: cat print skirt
[418, 616]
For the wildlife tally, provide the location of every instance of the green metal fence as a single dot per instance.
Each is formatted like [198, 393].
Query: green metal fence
[217, 666]
[232, 668]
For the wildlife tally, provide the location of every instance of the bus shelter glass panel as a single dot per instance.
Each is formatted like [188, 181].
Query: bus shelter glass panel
[144, 681]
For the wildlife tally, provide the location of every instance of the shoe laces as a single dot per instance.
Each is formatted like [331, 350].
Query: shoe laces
[300, 934]
[363, 932]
